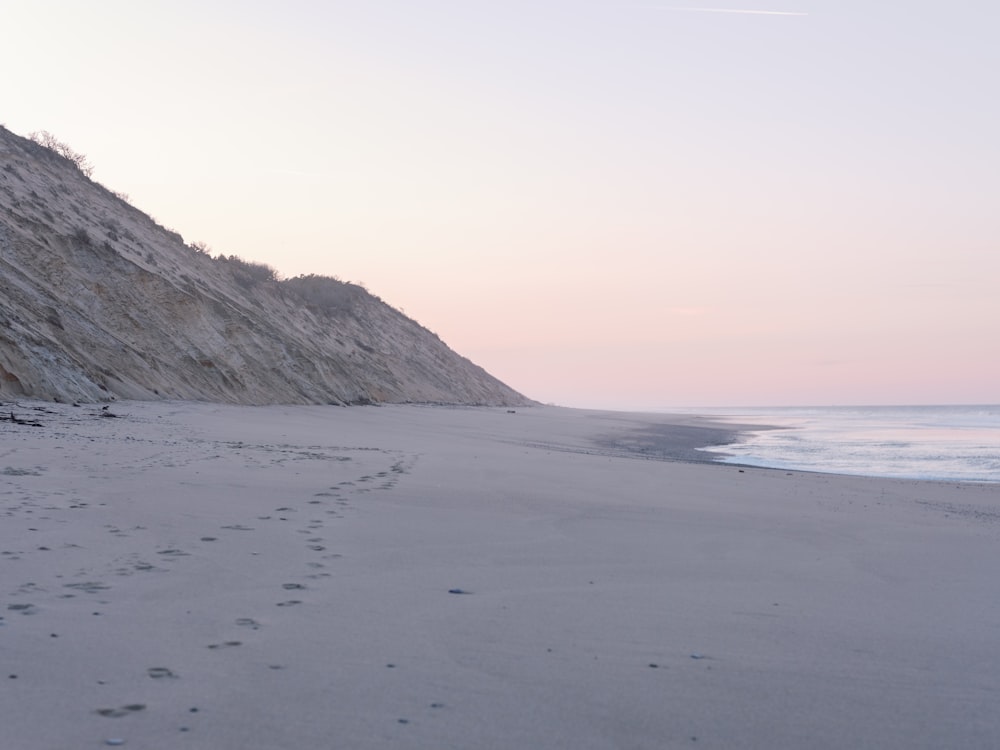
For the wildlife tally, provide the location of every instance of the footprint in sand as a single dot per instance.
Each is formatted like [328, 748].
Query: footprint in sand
[289, 603]
[117, 713]
[158, 673]
[227, 644]
[248, 622]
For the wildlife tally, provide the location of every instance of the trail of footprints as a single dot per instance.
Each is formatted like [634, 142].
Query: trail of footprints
[133, 563]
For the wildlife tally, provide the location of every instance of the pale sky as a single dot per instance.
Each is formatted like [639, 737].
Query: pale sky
[607, 204]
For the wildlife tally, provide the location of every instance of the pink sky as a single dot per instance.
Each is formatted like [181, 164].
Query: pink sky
[604, 204]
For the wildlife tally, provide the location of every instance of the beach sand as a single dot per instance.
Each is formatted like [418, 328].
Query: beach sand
[214, 577]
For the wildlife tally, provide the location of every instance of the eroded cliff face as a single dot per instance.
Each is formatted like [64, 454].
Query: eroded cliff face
[97, 301]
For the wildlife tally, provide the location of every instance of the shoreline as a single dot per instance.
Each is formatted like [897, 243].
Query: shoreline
[207, 576]
[936, 443]
[684, 437]
[678, 438]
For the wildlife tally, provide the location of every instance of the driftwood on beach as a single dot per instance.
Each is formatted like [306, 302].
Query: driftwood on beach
[17, 420]
[8, 414]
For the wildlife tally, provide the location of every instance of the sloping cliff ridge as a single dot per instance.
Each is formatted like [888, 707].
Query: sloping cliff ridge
[98, 301]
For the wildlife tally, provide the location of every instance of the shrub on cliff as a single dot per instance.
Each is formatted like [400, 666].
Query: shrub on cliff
[45, 139]
[324, 293]
[248, 273]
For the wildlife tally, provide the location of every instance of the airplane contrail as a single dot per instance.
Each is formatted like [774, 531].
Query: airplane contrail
[739, 10]
[294, 172]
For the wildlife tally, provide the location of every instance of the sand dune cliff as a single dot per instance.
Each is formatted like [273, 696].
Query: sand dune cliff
[98, 301]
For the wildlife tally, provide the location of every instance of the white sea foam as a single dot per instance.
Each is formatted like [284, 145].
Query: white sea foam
[947, 443]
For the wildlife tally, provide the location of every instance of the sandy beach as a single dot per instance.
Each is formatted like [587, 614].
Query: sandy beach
[219, 578]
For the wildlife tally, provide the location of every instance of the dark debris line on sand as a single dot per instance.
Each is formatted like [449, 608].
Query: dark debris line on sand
[9, 416]
[16, 420]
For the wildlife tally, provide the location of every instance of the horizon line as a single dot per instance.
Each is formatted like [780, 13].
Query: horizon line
[732, 10]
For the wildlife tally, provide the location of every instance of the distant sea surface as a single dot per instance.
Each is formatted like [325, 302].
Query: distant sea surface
[944, 443]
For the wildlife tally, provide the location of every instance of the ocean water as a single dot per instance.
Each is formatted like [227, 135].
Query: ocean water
[944, 443]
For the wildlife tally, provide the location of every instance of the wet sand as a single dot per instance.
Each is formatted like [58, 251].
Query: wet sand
[202, 576]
